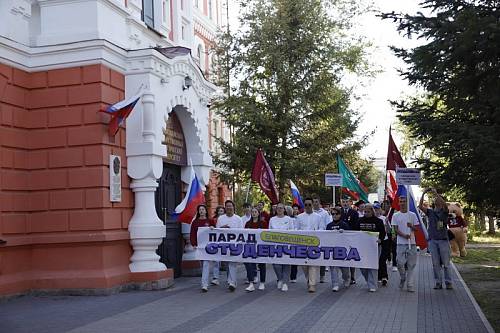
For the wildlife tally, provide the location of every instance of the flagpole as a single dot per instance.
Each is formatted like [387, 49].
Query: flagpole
[248, 189]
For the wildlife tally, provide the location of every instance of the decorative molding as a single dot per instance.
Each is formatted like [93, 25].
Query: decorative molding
[21, 10]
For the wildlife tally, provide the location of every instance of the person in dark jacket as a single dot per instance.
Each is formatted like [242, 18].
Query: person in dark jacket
[351, 217]
[202, 220]
[337, 225]
[370, 222]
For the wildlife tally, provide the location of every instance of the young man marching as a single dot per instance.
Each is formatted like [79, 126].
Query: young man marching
[405, 223]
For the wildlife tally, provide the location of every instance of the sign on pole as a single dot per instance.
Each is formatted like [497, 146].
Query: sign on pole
[333, 179]
[408, 176]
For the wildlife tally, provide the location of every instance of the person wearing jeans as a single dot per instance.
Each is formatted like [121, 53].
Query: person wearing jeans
[370, 222]
[255, 222]
[337, 225]
[404, 223]
[281, 222]
[439, 245]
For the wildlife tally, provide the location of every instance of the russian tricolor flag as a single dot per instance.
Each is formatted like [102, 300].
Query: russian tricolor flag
[186, 211]
[421, 232]
[296, 195]
[120, 111]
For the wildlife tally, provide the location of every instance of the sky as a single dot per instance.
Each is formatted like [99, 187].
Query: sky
[373, 105]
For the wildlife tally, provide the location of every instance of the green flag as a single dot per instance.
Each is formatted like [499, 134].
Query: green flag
[350, 181]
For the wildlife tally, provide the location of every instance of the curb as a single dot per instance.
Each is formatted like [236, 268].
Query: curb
[485, 321]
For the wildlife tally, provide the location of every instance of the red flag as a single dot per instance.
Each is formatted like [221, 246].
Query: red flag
[262, 174]
[394, 158]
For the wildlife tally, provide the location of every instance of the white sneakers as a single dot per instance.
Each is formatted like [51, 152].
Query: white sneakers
[284, 287]
[250, 288]
[293, 281]
[280, 284]
[215, 282]
[394, 269]
[262, 286]
[372, 290]
[336, 288]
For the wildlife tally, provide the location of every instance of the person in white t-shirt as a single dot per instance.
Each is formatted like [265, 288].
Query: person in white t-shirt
[281, 222]
[325, 219]
[309, 220]
[405, 223]
[233, 221]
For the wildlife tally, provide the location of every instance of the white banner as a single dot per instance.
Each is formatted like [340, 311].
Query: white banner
[314, 248]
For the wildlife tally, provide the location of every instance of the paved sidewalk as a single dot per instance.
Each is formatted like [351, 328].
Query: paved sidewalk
[184, 309]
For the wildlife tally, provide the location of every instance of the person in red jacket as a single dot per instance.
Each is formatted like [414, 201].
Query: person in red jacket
[202, 220]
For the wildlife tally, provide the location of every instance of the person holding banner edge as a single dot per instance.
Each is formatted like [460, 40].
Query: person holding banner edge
[370, 222]
[281, 222]
[201, 220]
[309, 220]
[230, 220]
[255, 222]
[337, 225]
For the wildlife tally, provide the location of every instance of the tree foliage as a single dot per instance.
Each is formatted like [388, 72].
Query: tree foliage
[458, 117]
[287, 98]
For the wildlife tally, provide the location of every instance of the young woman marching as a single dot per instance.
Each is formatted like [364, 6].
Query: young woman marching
[255, 222]
[202, 220]
[281, 222]
[338, 225]
[220, 210]
[369, 222]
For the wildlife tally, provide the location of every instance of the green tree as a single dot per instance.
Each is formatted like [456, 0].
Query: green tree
[287, 97]
[457, 118]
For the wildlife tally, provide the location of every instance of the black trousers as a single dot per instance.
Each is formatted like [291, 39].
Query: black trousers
[385, 254]
[394, 246]
[293, 272]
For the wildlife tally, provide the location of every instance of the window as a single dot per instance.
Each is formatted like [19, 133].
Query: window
[148, 13]
[210, 9]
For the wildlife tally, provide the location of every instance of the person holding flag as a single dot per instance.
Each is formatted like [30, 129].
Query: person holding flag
[405, 223]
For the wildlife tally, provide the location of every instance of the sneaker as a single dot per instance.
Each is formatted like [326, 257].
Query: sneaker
[335, 289]
[379, 281]
[402, 283]
[411, 289]
[215, 282]
[204, 289]
[262, 286]
[322, 279]
[327, 269]
[384, 282]
[232, 287]
[280, 284]
[347, 284]
[372, 290]
[293, 281]
[312, 289]
[284, 287]
[438, 286]
[353, 281]
[394, 269]
[250, 288]
[246, 281]
[449, 286]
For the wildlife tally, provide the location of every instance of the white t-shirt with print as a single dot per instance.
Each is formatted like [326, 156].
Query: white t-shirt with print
[400, 220]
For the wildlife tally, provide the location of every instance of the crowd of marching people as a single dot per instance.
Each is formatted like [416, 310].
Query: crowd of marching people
[396, 241]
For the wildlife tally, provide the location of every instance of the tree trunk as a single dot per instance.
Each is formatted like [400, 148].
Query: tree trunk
[491, 225]
[482, 222]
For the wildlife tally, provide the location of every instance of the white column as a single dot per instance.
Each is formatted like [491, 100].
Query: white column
[188, 248]
[146, 229]
[144, 157]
